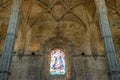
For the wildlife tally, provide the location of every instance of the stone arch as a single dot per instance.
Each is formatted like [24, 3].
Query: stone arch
[64, 44]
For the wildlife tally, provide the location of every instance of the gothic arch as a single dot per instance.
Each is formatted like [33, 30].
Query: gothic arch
[61, 43]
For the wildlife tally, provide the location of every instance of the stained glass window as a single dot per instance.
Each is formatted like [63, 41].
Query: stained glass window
[57, 63]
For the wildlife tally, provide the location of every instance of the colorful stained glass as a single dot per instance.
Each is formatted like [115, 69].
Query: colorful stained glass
[57, 64]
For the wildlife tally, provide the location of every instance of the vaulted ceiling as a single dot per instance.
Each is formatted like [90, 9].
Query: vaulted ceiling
[74, 20]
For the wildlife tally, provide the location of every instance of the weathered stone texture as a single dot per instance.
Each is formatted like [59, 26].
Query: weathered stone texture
[70, 24]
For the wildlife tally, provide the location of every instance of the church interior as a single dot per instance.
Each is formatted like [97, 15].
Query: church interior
[59, 39]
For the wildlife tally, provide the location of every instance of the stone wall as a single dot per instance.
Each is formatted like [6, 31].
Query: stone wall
[29, 67]
[72, 25]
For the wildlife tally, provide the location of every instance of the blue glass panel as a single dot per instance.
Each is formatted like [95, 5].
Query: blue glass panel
[57, 64]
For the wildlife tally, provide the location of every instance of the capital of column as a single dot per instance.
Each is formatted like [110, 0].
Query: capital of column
[5, 72]
[106, 36]
[11, 34]
[113, 72]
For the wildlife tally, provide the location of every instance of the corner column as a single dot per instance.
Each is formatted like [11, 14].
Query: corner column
[10, 40]
[113, 73]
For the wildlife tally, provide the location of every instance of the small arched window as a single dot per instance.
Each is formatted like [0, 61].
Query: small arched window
[57, 62]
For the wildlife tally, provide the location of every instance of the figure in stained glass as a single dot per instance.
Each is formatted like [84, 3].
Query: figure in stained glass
[57, 65]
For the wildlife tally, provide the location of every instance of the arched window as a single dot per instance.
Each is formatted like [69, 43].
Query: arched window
[57, 63]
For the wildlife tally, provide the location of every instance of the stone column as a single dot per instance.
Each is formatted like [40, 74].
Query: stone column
[107, 39]
[10, 40]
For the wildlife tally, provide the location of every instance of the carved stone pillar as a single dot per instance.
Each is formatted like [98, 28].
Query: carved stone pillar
[10, 40]
[107, 38]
